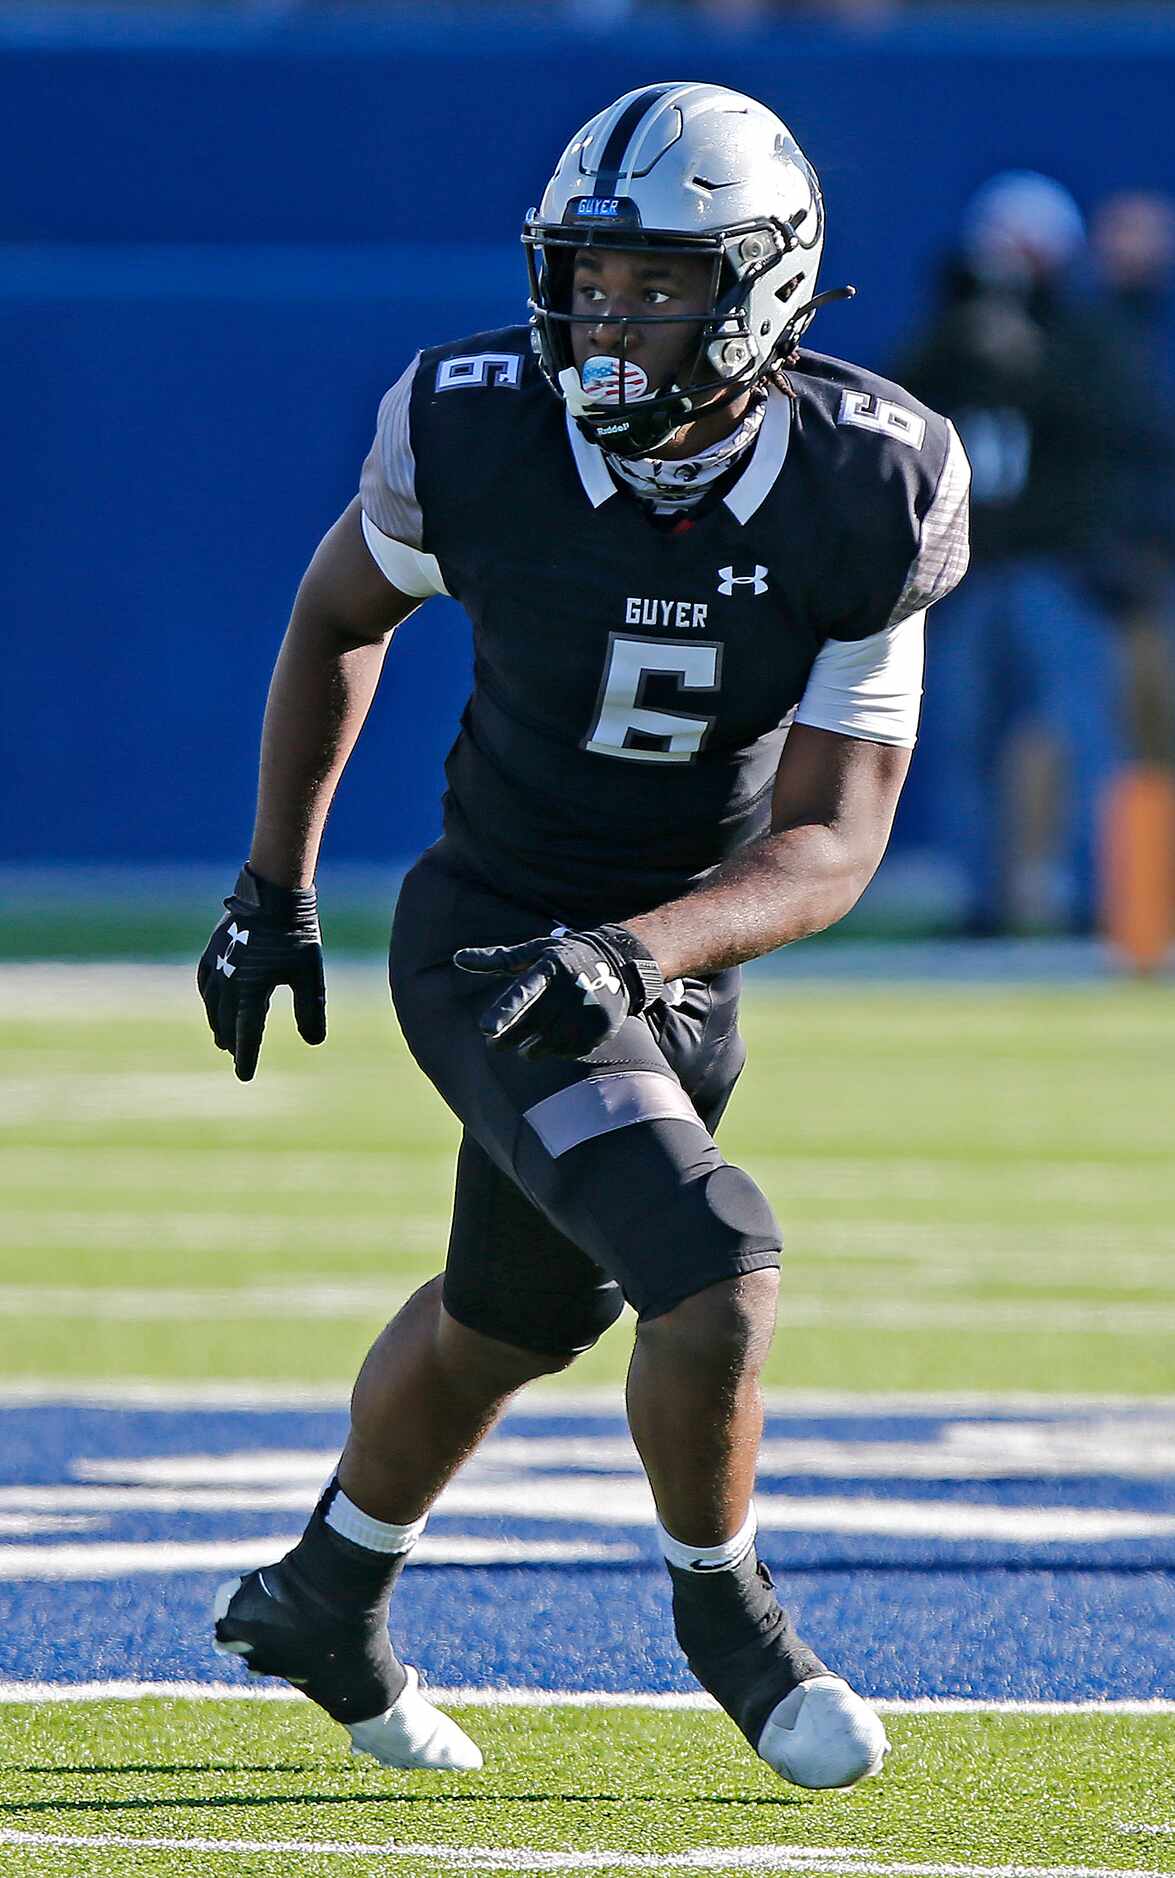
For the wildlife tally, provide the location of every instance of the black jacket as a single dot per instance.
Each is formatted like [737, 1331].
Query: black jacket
[1062, 430]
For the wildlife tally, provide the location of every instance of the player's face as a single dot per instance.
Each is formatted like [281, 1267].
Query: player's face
[610, 287]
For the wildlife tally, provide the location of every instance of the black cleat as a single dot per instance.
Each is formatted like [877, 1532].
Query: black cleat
[806, 1723]
[280, 1626]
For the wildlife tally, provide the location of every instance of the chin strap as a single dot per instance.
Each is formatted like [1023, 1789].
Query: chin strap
[807, 314]
[833, 293]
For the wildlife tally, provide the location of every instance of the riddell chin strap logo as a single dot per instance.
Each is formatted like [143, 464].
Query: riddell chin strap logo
[237, 936]
[728, 580]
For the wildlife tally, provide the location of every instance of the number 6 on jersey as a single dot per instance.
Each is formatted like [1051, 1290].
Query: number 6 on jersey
[674, 737]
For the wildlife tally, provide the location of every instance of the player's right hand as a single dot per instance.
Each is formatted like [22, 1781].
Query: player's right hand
[269, 936]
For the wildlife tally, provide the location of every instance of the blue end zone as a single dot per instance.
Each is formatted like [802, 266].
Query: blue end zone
[1032, 1600]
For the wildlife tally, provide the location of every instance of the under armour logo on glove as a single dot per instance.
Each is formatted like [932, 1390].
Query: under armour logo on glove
[237, 936]
[268, 937]
[569, 993]
[606, 981]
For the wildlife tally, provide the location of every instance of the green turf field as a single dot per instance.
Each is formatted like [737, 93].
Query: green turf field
[959, 1792]
[978, 1184]
[979, 1190]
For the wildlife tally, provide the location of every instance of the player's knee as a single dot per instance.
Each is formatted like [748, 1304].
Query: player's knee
[484, 1358]
[717, 1253]
[725, 1329]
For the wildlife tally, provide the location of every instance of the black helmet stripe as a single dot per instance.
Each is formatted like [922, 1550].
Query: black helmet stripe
[612, 156]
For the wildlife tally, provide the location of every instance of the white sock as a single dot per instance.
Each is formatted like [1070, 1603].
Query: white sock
[377, 1535]
[710, 1558]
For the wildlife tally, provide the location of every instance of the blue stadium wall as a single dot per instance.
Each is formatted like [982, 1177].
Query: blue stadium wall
[219, 242]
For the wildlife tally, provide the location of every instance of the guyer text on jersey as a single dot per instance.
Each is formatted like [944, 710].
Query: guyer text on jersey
[685, 615]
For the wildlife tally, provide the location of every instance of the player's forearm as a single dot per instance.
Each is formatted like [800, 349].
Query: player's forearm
[319, 696]
[781, 887]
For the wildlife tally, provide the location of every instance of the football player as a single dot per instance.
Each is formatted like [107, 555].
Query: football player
[697, 561]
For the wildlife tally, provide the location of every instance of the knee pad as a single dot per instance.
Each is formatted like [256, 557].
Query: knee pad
[740, 1209]
[674, 1222]
[721, 1227]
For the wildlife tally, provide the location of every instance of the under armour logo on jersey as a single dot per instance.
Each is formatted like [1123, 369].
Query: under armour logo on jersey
[237, 936]
[607, 981]
[728, 580]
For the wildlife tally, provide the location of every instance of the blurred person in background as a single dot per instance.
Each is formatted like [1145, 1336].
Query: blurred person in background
[1132, 240]
[1023, 663]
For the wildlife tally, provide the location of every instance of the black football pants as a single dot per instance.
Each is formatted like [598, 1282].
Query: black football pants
[580, 1183]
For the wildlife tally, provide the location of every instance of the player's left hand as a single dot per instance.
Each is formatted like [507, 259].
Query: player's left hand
[569, 993]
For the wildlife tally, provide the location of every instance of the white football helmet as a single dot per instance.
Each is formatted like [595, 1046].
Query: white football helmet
[703, 171]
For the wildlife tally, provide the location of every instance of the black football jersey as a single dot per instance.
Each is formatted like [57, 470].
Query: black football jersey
[634, 681]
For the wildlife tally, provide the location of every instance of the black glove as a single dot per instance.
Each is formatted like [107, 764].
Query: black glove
[268, 937]
[570, 993]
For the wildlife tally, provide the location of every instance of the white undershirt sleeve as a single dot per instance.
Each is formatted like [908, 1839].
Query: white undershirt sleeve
[410, 570]
[870, 688]
[393, 526]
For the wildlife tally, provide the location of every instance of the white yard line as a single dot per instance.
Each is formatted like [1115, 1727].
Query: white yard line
[940, 1252]
[88, 1096]
[26, 1523]
[77, 985]
[812, 1858]
[296, 1498]
[132, 1393]
[324, 1296]
[1044, 1316]
[991, 1243]
[206, 1233]
[1140, 1446]
[313, 1298]
[554, 1498]
[12, 1693]
[1087, 1186]
[115, 1560]
[310, 1171]
[246, 1393]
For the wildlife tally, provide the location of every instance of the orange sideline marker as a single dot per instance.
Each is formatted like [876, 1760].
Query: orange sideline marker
[1138, 865]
